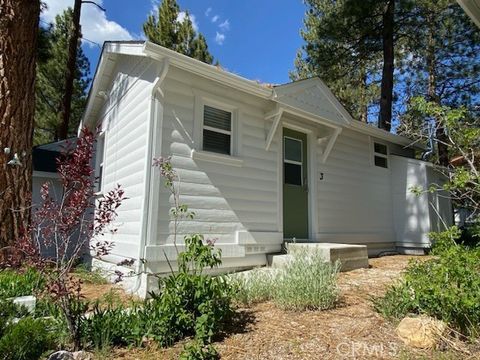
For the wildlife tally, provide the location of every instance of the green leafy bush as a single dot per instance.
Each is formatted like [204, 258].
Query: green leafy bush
[446, 287]
[113, 326]
[27, 339]
[15, 283]
[9, 311]
[195, 350]
[191, 302]
[306, 282]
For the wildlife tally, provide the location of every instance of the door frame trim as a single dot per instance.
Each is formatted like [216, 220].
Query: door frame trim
[311, 133]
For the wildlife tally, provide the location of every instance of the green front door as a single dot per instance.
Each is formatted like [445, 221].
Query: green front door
[295, 185]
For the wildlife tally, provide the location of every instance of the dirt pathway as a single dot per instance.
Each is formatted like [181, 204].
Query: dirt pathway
[352, 330]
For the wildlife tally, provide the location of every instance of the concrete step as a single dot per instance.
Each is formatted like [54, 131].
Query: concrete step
[278, 261]
[350, 256]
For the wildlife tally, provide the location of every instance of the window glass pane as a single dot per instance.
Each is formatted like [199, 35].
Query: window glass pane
[216, 142]
[293, 149]
[380, 148]
[217, 118]
[381, 161]
[99, 180]
[292, 174]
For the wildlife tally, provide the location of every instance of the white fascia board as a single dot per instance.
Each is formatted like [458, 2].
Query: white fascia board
[205, 70]
[104, 65]
[384, 135]
[309, 116]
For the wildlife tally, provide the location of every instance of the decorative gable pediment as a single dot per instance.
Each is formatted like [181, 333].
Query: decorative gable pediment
[314, 97]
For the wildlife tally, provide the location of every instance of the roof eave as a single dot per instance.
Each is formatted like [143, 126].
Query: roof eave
[385, 135]
[205, 70]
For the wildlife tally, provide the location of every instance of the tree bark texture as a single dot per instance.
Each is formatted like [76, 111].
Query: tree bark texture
[386, 99]
[18, 48]
[70, 73]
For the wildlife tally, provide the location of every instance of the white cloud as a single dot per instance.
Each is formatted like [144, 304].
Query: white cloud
[215, 18]
[225, 25]
[208, 11]
[154, 9]
[219, 38]
[181, 18]
[95, 25]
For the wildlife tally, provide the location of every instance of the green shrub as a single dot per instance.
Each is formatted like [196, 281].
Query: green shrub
[20, 283]
[9, 311]
[446, 287]
[254, 286]
[307, 282]
[191, 302]
[111, 327]
[195, 350]
[27, 339]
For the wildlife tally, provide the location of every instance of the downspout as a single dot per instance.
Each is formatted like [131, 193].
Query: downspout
[148, 172]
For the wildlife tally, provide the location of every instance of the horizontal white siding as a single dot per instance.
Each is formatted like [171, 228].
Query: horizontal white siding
[354, 202]
[125, 117]
[225, 199]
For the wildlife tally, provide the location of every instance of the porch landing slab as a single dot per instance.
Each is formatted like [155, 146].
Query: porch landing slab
[350, 256]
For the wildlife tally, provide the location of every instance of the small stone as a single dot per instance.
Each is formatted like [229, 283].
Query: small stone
[61, 355]
[82, 355]
[421, 332]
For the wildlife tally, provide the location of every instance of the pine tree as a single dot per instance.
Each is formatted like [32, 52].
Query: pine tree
[445, 63]
[348, 61]
[167, 30]
[51, 79]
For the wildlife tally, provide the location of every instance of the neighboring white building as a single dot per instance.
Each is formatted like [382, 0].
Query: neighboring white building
[257, 164]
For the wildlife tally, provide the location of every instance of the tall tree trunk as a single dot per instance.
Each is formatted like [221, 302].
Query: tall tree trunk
[70, 71]
[386, 99]
[363, 96]
[431, 60]
[18, 48]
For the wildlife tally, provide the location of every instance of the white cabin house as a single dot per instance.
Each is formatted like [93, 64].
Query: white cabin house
[257, 164]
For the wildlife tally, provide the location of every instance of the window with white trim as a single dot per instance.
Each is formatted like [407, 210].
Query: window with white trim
[217, 130]
[99, 160]
[380, 155]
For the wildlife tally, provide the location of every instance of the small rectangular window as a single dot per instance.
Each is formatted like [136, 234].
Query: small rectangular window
[292, 161]
[217, 130]
[100, 149]
[380, 155]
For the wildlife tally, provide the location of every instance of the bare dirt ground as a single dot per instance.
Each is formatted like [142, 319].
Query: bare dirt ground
[353, 330]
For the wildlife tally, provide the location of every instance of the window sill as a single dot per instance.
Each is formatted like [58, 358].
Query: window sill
[216, 158]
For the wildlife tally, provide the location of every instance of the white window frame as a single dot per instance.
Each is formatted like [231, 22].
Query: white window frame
[217, 130]
[203, 98]
[293, 161]
[100, 163]
[377, 154]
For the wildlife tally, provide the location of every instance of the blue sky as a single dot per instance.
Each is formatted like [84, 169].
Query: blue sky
[257, 39]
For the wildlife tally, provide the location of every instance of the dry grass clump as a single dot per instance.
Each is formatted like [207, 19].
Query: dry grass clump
[306, 282]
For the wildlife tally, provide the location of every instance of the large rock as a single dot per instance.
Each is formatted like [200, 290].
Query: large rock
[421, 332]
[61, 355]
[82, 355]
